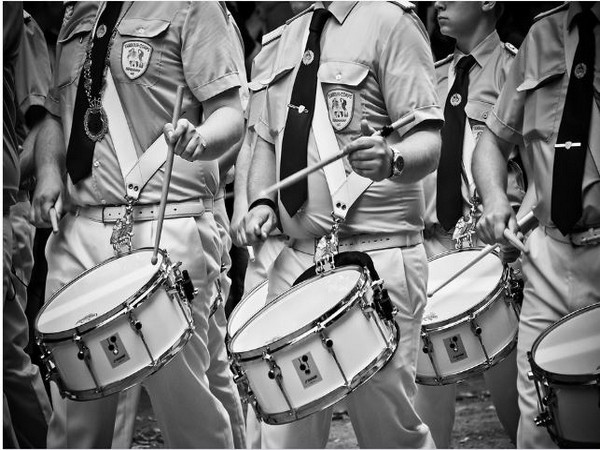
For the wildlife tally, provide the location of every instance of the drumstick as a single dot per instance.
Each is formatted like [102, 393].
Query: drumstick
[167, 180]
[54, 214]
[523, 223]
[251, 255]
[53, 219]
[301, 174]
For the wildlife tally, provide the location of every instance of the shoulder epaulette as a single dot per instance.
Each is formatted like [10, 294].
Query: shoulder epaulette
[300, 14]
[551, 11]
[443, 61]
[510, 48]
[272, 35]
[404, 4]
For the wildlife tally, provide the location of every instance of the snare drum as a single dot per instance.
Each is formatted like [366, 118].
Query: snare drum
[565, 363]
[471, 323]
[114, 325]
[247, 308]
[312, 346]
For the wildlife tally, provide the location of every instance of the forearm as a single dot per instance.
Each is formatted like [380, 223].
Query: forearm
[421, 153]
[49, 149]
[490, 167]
[228, 159]
[262, 170]
[242, 166]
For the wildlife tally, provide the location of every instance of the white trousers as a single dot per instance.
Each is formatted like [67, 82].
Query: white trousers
[560, 278]
[436, 404]
[381, 410]
[189, 415]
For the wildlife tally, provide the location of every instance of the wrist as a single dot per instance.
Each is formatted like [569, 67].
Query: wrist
[201, 146]
[263, 201]
[397, 164]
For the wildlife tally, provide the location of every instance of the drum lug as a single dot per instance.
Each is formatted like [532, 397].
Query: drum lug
[84, 355]
[275, 374]
[477, 330]
[328, 344]
[428, 350]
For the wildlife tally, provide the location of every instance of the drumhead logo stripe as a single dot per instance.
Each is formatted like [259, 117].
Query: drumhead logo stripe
[307, 370]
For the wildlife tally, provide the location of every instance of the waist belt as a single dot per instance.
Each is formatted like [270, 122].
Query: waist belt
[110, 214]
[589, 237]
[364, 242]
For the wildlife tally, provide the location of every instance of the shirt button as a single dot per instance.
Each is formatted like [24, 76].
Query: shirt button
[96, 163]
[140, 29]
[338, 77]
[103, 201]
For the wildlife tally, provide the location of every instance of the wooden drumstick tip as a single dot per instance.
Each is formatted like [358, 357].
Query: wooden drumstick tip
[54, 219]
[154, 260]
[251, 255]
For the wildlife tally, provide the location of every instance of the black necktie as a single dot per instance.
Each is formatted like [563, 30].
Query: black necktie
[300, 115]
[80, 151]
[573, 134]
[449, 199]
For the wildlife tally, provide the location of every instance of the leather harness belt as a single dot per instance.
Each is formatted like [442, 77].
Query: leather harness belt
[589, 237]
[110, 214]
[363, 242]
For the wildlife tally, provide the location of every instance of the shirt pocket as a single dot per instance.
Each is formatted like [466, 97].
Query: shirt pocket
[342, 81]
[278, 93]
[256, 102]
[73, 42]
[544, 97]
[141, 45]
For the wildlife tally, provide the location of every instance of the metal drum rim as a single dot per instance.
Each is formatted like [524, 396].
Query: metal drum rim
[133, 301]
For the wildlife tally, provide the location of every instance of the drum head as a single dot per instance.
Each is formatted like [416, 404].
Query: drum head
[248, 307]
[98, 291]
[466, 291]
[572, 345]
[296, 309]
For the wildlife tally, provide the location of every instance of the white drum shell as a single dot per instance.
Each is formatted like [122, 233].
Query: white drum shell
[362, 343]
[566, 367]
[248, 307]
[497, 318]
[166, 326]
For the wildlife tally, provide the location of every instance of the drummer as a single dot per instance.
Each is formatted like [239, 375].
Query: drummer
[189, 415]
[550, 106]
[469, 81]
[368, 82]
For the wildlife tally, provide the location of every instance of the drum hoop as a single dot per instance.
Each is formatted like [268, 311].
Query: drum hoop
[134, 378]
[246, 297]
[159, 277]
[557, 378]
[328, 318]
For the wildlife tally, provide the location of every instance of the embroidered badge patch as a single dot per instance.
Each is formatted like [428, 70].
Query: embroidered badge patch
[340, 104]
[135, 58]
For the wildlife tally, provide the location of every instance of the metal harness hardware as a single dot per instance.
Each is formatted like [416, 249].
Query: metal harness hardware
[123, 230]
[465, 228]
[327, 247]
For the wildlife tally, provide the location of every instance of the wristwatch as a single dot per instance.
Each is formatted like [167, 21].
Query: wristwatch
[397, 163]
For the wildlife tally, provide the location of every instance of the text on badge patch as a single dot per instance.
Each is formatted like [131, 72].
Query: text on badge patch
[135, 58]
[340, 104]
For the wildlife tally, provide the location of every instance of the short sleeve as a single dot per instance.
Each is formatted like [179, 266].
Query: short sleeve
[406, 74]
[33, 68]
[506, 120]
[208, 51]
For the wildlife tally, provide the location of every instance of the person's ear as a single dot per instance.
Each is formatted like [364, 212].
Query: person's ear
[487, 6]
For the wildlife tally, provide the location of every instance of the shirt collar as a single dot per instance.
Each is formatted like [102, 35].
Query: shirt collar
[575, 8]
[339, 10]
[482, 51]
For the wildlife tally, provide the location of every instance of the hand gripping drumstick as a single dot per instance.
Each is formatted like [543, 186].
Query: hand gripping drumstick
[301, 174]
[167, 180]
[523, 224]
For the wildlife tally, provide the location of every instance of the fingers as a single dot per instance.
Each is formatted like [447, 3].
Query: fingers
[365, 128]
[183, 137]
